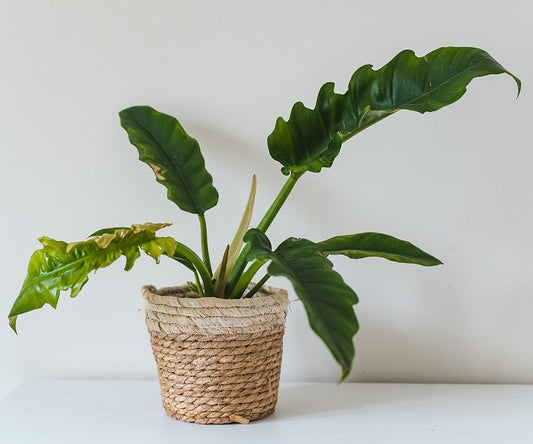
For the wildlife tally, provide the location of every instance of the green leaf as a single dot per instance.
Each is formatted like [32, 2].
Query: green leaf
[361, 245]
[60, 266]
[327, 299]
[183, 260]
[311, 138]
[173, 155]
[237, 242]
[218, 291]
[259, 246]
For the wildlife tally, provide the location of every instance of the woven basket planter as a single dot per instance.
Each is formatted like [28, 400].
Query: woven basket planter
[218, 360]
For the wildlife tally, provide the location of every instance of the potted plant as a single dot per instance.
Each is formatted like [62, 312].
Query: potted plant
[217, 340]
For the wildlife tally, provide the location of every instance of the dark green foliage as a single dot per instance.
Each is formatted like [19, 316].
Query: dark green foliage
[328, 301]
[361, 245]
[174, 156]
[311, 138]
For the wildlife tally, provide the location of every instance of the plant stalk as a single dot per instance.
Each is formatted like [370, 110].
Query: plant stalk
[246, 278]
[205, 247]
[198, 284]
[257, 286]
[278, 202]
[200, 266]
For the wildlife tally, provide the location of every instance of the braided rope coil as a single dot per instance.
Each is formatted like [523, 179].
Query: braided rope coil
[218, 360]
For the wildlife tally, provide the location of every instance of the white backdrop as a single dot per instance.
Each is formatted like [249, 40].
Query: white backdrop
[457, 182]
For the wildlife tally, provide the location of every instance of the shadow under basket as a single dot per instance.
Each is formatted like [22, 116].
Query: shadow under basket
[218, 360]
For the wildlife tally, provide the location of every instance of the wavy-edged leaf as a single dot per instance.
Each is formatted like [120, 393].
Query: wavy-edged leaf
[173, 155]
[109, 230]
[311, 138]
[237, 242]
[176, 256]
[60, 266]
[327, 299]
[361, 245]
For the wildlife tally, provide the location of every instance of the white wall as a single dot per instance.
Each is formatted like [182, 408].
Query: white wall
[457, 182]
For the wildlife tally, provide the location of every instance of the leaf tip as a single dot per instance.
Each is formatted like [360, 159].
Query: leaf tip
[13, 324]
[434, 262]
[518, 85]
[345, 371]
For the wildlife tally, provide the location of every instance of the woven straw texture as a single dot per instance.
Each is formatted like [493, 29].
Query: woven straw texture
[218, 360]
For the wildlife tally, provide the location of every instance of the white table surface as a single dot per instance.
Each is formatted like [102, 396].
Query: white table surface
[130, 412]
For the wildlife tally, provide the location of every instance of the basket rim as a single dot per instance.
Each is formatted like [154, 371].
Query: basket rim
[173, 314]
[151, 293]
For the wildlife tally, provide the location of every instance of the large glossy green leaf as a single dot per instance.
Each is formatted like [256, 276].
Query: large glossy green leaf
[327, 299]
[361, 245]
[61, 266]
[173, 155]
[311, 138]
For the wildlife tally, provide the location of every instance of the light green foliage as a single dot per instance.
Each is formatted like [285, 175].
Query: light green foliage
[237, 242]
[60, 266]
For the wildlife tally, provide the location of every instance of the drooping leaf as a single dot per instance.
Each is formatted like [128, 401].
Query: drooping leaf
[60, 266]
[361, 245]
[177, 256]
[237, 242]
[183, 260]
[327, 299]
[311, 138]
[173, 155]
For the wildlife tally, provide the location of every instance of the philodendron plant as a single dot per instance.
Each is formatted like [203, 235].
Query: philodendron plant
[308, 141]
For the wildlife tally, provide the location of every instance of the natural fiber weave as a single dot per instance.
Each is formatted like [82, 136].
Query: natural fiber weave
[218, 360]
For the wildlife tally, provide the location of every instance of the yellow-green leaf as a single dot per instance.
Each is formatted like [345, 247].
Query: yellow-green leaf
[60, 266]
[237, 242]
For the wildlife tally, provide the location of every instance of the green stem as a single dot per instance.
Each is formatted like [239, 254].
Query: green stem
[198, 284]
[240, 264]
[278, 202]
[257, 286]
[246, 278]
[205, 248]
[200, 266]
[193, 269]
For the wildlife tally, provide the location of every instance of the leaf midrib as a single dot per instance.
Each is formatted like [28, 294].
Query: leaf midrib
[441, 84]
[346, 252]
[181, 176]
[316, 311]
[66, 267]
[402, 106]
